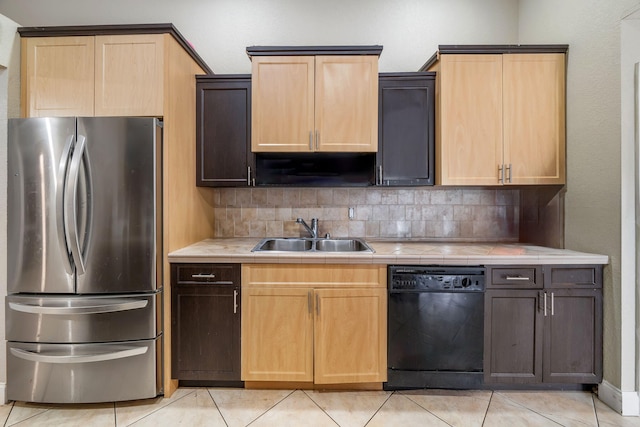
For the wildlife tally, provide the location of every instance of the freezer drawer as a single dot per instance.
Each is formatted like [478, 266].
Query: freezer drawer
[81, 319]
[82, 373]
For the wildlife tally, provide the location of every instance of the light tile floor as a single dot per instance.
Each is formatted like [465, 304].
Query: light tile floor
[281, 408]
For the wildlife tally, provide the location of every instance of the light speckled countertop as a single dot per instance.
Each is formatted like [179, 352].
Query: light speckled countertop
[238, 250]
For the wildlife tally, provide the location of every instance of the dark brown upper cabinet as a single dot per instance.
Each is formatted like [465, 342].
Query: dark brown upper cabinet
[223, 131]
[406, 133]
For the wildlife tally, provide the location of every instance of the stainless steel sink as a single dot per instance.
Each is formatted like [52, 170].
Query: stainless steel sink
[284, 244]
[341, 245]
[300, 244]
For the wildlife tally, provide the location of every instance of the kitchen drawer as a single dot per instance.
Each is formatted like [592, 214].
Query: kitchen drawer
[515, 277]
[222, 274]
[77, 319]
[82, 373]
[573, 276]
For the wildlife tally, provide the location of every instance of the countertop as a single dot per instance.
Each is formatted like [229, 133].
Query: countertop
[238, 250]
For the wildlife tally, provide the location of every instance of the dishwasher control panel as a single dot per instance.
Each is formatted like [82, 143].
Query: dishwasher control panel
[436, 278]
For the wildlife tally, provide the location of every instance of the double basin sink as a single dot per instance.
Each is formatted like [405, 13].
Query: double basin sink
[301, 244]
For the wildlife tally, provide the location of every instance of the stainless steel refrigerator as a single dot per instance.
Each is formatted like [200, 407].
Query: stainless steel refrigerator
[83, 322]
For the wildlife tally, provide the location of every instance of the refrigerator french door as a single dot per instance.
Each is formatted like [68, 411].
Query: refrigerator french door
[84, 259]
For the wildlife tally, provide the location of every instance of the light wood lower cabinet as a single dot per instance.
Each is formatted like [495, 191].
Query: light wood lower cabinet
[277, 331]
[322, 324]
[350, 336]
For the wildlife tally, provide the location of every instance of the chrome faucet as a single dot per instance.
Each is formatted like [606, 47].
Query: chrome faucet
[313, 230]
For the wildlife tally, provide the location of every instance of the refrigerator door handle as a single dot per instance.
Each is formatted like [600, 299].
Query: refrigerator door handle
[91, 307]
[70, 204]
[60, 217]
[81, 358]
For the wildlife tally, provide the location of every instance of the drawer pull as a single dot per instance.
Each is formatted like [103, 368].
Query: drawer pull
[82, 358]
[516, 278]
[203, 276]
[87, 307]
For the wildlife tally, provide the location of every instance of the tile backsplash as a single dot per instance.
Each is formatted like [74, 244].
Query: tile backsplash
[452, 214]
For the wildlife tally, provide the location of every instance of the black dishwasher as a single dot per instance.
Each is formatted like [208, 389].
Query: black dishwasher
[436, 324]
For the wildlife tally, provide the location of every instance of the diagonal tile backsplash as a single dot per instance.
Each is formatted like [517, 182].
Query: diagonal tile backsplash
[464, 214]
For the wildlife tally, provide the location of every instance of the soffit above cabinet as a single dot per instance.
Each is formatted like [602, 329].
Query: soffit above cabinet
[101, 30]
[313, 50]
[497, 49]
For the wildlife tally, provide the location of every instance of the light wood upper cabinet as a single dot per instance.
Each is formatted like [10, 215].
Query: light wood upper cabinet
[325, 324]
[469, 130]
[501, 119]
[346, 103]
[534, 118]
[282, 109]
[57, 76]
[325, 103]
[117, 75]
[129, 75]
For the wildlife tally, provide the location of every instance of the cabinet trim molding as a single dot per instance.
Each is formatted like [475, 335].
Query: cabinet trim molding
[101, 30]
[313, 50]
[494, 49]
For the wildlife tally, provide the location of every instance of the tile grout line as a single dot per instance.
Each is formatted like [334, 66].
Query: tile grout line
[9, 414]
[593, 402]
[316, 403]
[158, 409]
[487, 410]
[33, 416]
[378, 410]
[208, 390]
[531, 410]
[406, 396]
[270, 408]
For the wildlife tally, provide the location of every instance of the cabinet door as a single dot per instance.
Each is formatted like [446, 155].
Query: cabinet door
[534, 118]
[513, 336]
[470, 120]
[282, 97]
[406, 130]
[223, 129]
[573, 336]
[129, 75]
[277, 334]
[205, 332]
[350, 336]
[57, 76]
[346, 103]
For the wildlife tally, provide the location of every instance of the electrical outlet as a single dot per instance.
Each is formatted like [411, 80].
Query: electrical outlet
[351, 213]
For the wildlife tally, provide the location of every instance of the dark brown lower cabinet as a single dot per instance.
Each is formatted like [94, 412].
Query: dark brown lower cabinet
[205, 333]
[552, 334]
[573, 336]
[513, 336]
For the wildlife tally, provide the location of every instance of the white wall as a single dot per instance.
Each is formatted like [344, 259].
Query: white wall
[220, 30]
